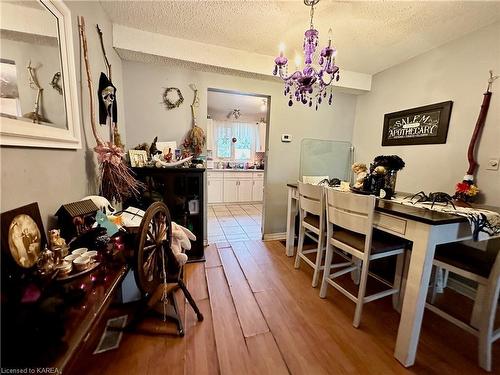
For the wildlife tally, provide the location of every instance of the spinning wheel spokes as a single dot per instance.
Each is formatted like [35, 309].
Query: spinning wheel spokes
[154, 230]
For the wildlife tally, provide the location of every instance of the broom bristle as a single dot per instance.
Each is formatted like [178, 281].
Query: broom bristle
[118, 182]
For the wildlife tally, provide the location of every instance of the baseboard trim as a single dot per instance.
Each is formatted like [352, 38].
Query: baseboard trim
[274, 236]
[462, 288]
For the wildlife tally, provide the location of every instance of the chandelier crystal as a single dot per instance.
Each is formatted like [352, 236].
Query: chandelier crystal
[309, 84]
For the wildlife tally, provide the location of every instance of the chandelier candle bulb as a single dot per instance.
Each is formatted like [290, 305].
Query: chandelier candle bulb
[282, 49]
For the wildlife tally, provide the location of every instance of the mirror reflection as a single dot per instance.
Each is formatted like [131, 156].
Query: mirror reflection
[31, 75]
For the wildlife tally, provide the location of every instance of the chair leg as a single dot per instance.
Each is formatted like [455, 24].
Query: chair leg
[398, 278]
[478, 306]
[433, 285]
[300, 246]
[361, 293]
[326, 272]
[356, 274]
[319, 258]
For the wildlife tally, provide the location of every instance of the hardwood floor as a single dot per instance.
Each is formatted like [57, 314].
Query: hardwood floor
[263, 317]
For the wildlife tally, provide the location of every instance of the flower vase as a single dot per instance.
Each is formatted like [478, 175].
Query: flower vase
[390, 183]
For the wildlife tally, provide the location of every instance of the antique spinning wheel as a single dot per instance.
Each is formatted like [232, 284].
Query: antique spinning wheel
[155, 232]
[156, 268]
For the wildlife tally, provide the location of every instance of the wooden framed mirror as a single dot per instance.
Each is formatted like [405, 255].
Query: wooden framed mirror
[38, 94]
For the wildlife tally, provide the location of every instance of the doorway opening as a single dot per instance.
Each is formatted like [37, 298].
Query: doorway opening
[237, 139]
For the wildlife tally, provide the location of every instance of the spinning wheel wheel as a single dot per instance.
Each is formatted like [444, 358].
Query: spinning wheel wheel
[155, 228]
[156, 268]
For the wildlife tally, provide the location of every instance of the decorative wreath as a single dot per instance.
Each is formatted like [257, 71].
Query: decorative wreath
[167, 97]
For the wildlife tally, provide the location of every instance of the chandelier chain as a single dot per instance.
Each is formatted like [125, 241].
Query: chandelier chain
[312, 15]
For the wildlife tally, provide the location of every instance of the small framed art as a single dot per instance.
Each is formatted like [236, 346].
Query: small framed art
[138, 158]
[23, 237]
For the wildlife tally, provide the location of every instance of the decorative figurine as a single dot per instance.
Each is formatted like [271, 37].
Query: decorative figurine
[153, 150]
[55, 239]
[361, 173]
[168, 156]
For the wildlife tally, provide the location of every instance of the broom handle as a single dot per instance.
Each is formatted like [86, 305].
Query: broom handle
[81, 27]
[477, 131]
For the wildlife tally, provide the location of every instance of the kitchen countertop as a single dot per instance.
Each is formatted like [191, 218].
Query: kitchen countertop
[234, 170]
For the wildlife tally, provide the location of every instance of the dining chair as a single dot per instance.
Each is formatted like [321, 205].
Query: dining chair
[482, 267]
[312, 224]
[350, 229]
[314, 180]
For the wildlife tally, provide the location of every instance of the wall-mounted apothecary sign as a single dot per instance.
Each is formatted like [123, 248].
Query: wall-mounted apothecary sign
[417, 126]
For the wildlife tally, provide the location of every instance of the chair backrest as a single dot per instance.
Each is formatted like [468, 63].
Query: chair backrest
[314, 180]
[311, 198]
[353, 212]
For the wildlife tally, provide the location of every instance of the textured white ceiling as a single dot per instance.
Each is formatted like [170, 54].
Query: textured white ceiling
[370, 36]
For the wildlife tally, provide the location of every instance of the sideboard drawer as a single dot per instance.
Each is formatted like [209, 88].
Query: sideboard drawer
[390, 223]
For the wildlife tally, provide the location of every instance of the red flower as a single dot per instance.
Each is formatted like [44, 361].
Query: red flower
[462, 187]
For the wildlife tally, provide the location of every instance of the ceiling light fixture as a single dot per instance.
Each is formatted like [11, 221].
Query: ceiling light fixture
[309, 83]
[235, 113]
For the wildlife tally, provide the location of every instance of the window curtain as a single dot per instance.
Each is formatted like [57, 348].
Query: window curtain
[246, 134]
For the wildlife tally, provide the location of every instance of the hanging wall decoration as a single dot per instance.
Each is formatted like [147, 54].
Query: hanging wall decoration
[172, 98]
[116, 181]
[466, 190]
[417, 126]
[196, 138]
[107, 99]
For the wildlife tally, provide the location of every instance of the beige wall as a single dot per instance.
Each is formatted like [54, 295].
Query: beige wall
[147, 118]
[52, 177]
[457, 71]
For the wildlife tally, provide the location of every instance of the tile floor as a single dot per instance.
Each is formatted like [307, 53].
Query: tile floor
[234, 222]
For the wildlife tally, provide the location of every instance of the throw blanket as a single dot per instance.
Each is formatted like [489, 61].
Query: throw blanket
[484, 224]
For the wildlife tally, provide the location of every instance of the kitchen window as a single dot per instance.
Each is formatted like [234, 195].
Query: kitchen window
[246, 135]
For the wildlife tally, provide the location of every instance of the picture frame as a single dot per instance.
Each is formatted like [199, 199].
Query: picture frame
[22, 235]
[417, 126]
[138, 158]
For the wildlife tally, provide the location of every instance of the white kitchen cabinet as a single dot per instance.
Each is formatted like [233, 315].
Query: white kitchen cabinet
[230, 190]
[258, 191]
[245, 188]
[215, 189]
[232, 187]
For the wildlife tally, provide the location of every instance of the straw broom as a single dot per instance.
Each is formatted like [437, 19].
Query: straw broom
[116, 180]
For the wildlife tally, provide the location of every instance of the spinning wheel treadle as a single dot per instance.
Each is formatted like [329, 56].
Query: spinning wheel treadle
[157, 272]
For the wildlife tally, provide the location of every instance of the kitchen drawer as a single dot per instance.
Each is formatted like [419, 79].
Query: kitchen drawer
[238, 175]
[215, 175]
[390, 223]
[258, 175]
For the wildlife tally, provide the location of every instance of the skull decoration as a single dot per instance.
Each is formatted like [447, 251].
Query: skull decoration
[108, 97]
[107, 100]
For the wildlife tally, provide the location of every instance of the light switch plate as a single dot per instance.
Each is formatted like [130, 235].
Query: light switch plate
[286, 138]
[493, 164]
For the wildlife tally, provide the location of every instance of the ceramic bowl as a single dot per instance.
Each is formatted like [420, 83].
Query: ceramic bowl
[71, 257]
[91, 254]
[81, 263]
[80, 251]
[64, 268]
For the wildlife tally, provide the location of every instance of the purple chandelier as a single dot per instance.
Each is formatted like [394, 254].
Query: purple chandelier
[309, 84]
